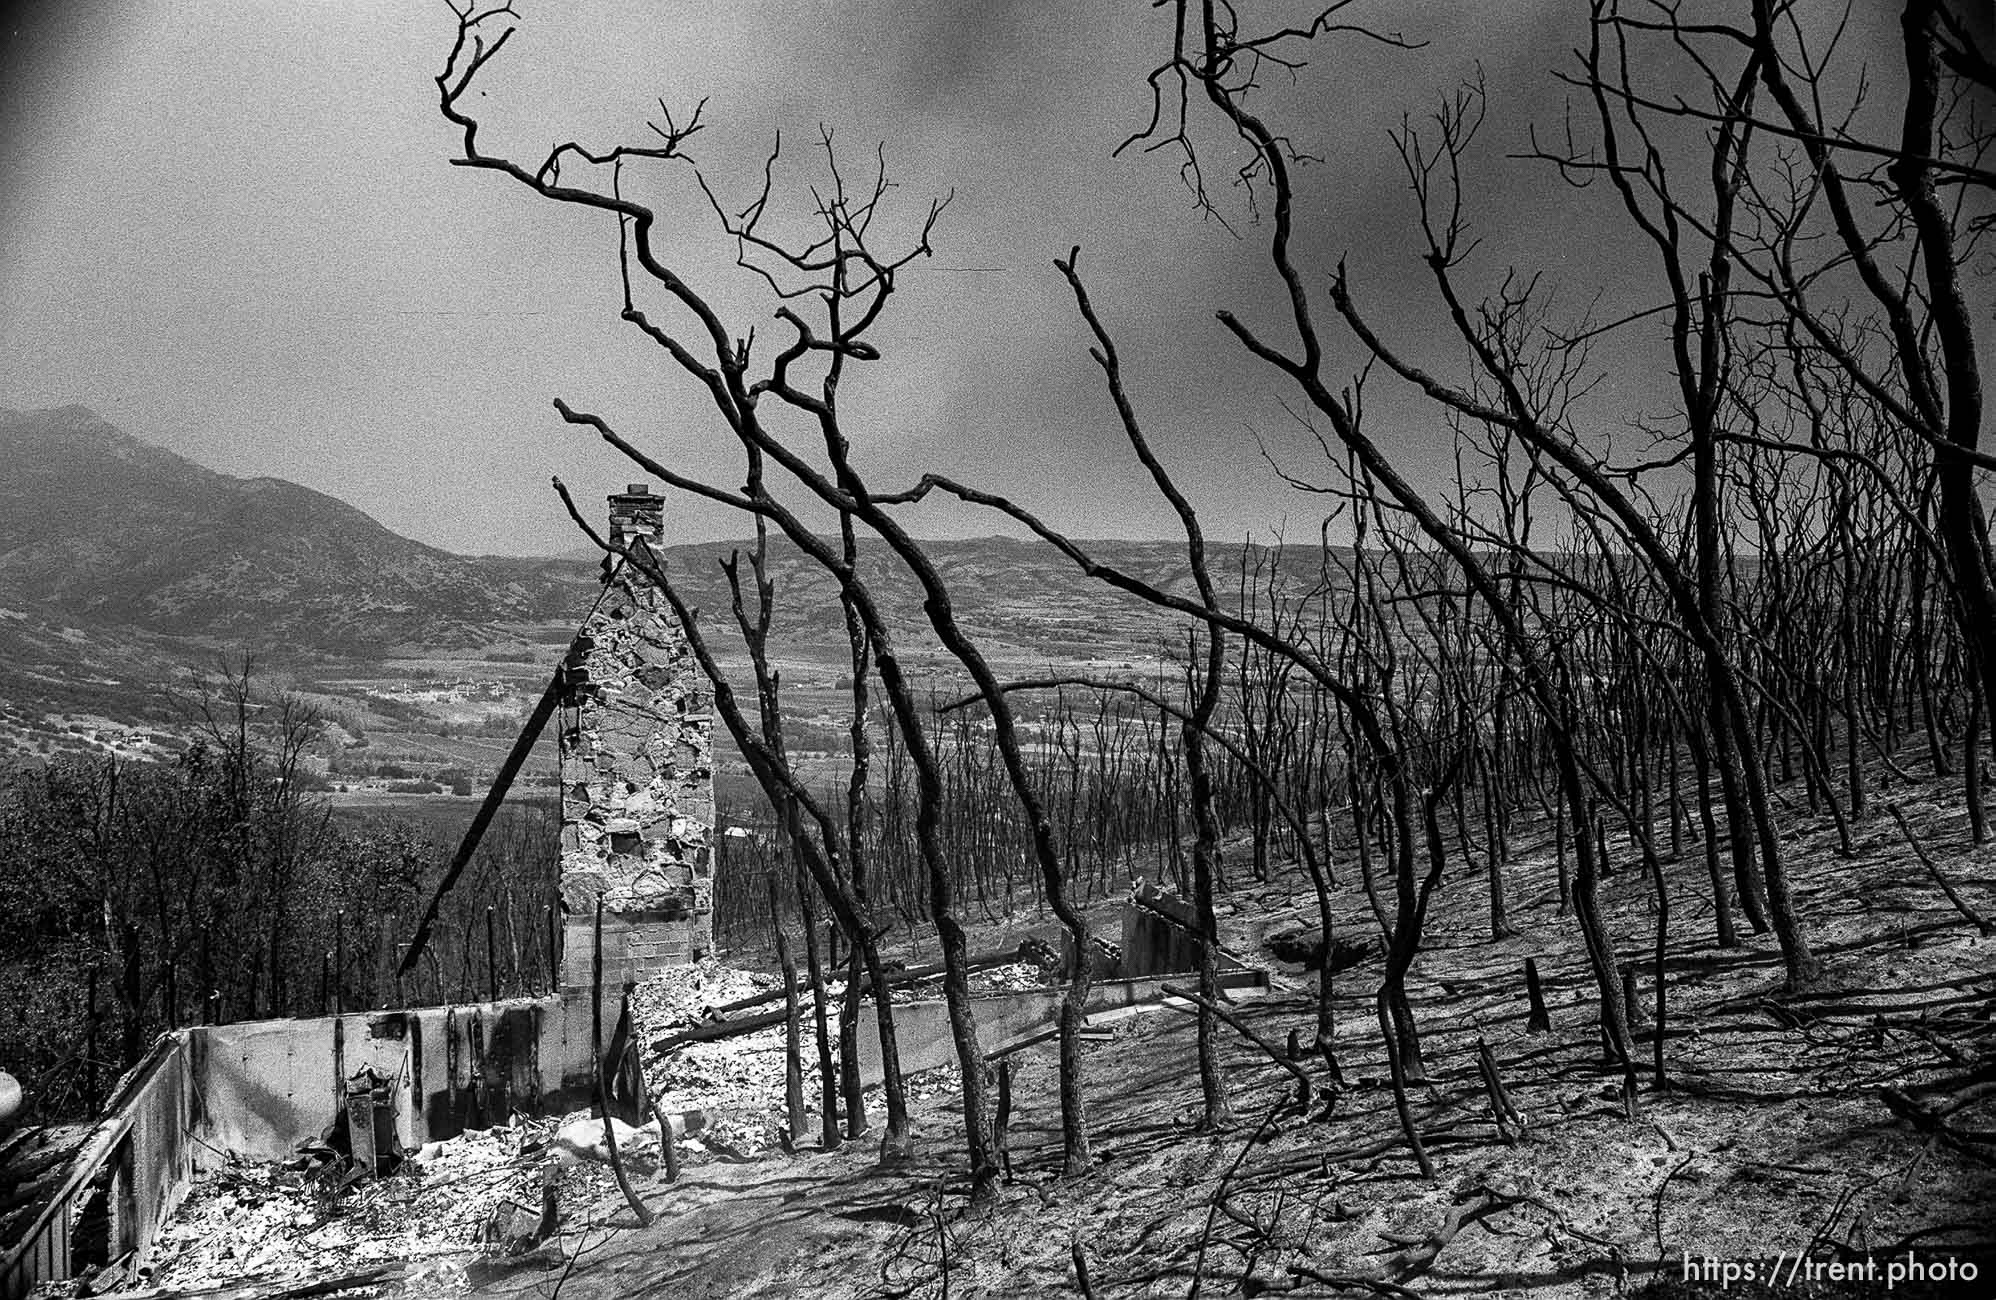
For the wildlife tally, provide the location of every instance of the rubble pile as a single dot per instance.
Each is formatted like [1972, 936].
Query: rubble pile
[269, 1222]
[1018, 977]
[943, 1081]
[736, 1082]
[683, 996]
[1015, 978]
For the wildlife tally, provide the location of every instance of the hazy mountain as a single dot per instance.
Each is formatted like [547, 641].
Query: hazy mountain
[105, 528]
[100, 526]
[123, 565]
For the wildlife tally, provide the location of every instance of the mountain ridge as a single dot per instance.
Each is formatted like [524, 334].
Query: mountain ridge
[109, 528]
[102, 526]
[124, 565]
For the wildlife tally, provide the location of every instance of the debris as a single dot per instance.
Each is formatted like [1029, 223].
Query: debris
[585, 1139]
[682, 997]
[272, 1224]
[1011, 977]
[1303, 945]
[734, 1084]
[289, 1290]
[366, 1109]
[513, 1229]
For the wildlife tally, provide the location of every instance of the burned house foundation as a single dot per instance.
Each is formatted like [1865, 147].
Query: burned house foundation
[636, 881]
[381, 1085]
[212, 1094]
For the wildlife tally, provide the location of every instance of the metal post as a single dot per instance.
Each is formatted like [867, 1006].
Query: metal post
[90, 1044]
[491, 955]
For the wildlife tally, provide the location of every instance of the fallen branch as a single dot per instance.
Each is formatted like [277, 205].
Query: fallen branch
[719, 1029]
[1306, 1160]
[1794, 1015]
[1418, 1256]
[1219, 1198]
[1933, 869]
[1929, 1119]
[1302, 1076]
[1656, 1199]
[1510, 1125]
[1304, 1273]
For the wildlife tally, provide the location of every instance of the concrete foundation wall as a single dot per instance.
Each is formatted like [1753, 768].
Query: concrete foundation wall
[922, 1032]
[1160, 933]
[159, 1156]
[146, 1145]
[256, 1090]
[265, 1086]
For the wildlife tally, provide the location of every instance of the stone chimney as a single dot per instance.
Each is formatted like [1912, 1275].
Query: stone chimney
[636, 513]
[637, 782]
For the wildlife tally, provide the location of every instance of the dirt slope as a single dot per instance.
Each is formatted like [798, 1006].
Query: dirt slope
[1773, 1138]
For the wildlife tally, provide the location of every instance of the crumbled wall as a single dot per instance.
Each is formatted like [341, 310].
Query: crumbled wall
[637, 778]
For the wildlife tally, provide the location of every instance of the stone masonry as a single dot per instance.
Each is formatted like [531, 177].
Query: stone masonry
[637, 777]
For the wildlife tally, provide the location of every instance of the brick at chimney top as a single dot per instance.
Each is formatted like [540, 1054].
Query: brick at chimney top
[636, 512]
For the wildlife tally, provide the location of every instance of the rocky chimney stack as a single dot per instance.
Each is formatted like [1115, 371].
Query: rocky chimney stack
[636, 513]
[637, 778]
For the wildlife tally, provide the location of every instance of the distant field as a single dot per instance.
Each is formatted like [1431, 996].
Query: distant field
[440, 817]
[449, 713]
[446, 816]
[481, 754]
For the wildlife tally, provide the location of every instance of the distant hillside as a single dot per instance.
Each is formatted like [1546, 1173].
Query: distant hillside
[101, 527]
[123, 565]
[105, 528]
[1009, 593]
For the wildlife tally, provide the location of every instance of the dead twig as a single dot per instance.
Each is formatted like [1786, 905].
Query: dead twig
[1323, 1159]
[1656, 1201]
[1304, 1091]
[1929, 1119]
[1418, 1255]
[1933, 869]
[1220, 1195]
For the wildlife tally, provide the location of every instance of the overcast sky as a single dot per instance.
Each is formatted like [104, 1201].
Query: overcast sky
[231, 228]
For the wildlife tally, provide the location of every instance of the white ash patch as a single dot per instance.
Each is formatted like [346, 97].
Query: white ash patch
[736, 1082]
[680, 997]
[264, 1222]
